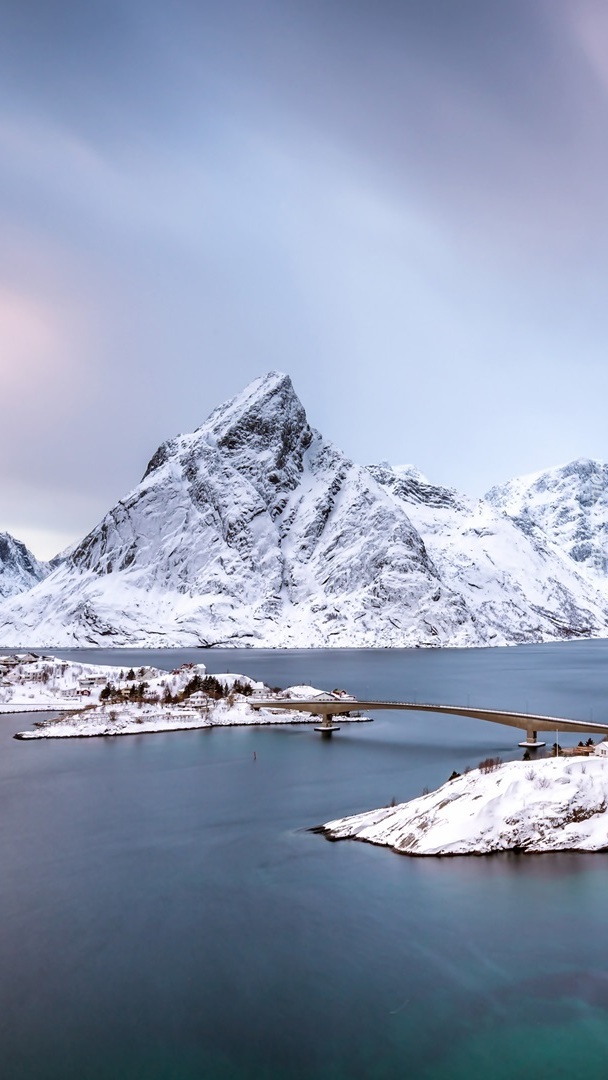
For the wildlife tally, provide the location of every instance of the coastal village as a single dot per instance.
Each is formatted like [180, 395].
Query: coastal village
[95, 699]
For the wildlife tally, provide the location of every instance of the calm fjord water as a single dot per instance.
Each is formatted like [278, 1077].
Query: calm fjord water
[166, 915]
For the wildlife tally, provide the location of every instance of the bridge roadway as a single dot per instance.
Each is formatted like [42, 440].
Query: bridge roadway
[328, 708]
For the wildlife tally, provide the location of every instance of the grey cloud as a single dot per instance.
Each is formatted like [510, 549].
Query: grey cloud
[467, 105]
[402, 204]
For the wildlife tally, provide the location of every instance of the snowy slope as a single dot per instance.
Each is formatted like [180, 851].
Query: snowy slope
[145, 719]
[556, 804]
[19, 570]
[518, 586]
[569, 505]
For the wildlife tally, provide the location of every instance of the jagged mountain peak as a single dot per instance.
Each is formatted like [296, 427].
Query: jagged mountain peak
[265, 430]
[266, 398]
[265, 427]
[584, 467]
[577, 474]
[19, 569]
[406, 470]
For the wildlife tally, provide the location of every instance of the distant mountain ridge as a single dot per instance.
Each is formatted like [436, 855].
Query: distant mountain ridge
[254, 530]
[517, 587]
[569, 504]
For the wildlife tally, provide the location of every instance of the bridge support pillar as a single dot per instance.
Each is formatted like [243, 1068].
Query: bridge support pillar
[327, 726]
[531, 742]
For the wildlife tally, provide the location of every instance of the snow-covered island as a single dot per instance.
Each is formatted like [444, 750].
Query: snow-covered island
[97, 699]
[554, 804]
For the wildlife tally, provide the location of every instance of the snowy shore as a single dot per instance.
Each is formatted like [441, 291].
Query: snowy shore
[555, 804]
[141, 719]
[103, 700]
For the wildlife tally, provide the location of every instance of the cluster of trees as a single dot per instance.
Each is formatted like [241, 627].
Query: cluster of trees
[209, 685]
[137, 692]
[131, 676]
[488, 765]
[213, 688]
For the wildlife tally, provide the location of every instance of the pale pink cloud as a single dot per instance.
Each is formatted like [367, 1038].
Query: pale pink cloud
[36, 344]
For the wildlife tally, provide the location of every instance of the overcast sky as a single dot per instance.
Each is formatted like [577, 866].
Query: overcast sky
[402, 203]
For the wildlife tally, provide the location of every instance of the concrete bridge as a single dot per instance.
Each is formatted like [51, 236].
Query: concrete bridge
[326, 708]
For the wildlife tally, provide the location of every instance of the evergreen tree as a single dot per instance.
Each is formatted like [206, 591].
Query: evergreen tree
[193, 685]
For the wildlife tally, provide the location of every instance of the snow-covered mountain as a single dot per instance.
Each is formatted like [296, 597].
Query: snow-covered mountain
[517, 587]
[19, 570]
[254, 530]
[569, 505]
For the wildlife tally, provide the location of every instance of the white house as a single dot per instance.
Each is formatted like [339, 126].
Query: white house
[200, 700]
[602, 748]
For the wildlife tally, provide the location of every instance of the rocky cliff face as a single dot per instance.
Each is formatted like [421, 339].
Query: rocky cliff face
[254, 530]
[19, 570]
[569, 505]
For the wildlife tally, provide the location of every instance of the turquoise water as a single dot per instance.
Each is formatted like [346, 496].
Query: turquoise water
[164, 912]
